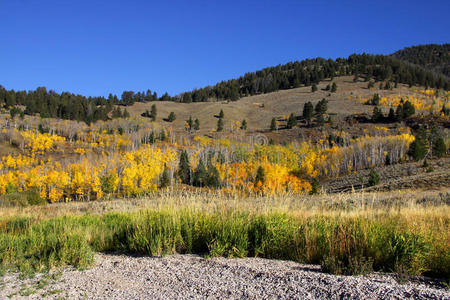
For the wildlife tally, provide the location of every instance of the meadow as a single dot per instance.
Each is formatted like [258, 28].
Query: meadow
[407, 238]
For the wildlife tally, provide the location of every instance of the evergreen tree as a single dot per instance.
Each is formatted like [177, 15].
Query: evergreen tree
[334, 87]
[116, 113]
[244, 125]
[171, 117]
[152, 138]
[273, 124]
[190, 123]
[399, 113]
[321, 107]
[408, 110]
[419, 147]
[391, 115]
[153, 113]
[375, 99]
[439, 147]
[374, 178]
[260, 175]
[308, 111]
[314, 88]
[125, 114]
[388, 160]
[320, 120]
[196, 124]
[213, 178]
[377, 115]
[200, 175]
[314, 187]
[162, 135]
[220, 124]
[221, 114]
[292, 121]
[184, 169]
[164, 180]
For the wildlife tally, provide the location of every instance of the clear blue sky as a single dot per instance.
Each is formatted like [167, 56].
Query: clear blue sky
[96, 47]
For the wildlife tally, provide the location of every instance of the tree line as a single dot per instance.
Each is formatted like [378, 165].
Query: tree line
[310, 72]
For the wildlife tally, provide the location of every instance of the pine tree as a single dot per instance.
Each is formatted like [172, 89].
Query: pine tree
[308, 111]
[213, 178]
[184, 169]
[221, 114]
[334, 87]
[244, 125]
[171, 117]
[374, 178]
[419, 147]
[190, 123]
[377, 115]
[220, 124]
[391, 115]
[196, 124]
[375, 99]
[162, 135]
[164, 180]
[273, 124]
[314, 88]
[153, 113]
[260, 175]
[399, 113]
[152, 138]
[200, 175]
[439, 147]
[408, 109]
[321, 107]
[292, 121]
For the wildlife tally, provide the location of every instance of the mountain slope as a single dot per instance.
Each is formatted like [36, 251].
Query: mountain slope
[432, 57]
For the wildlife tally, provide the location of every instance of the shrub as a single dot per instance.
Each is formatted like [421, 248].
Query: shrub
[374, 178]
[171, 117]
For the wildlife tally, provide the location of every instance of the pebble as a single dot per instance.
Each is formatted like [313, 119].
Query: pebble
[193, 277]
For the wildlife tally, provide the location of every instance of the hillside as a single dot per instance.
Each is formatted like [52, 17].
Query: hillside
[258, 110]
[432, 57]
[291, 76]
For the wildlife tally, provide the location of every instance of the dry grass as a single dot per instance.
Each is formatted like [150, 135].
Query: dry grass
[276, 104]
[357, 202]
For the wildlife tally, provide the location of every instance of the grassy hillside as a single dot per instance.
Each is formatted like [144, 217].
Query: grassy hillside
[258, 110]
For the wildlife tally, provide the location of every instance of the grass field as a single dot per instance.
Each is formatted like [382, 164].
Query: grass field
[258, 110]
[350, 239]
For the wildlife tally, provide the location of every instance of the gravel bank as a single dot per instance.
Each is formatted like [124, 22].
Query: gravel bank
[192, 277]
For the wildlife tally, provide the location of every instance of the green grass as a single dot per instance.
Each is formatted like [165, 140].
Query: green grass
[342, 243]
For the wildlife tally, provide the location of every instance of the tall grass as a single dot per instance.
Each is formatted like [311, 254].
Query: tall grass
[417, 241]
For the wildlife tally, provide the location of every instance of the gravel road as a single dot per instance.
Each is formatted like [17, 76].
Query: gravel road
[192, 277]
